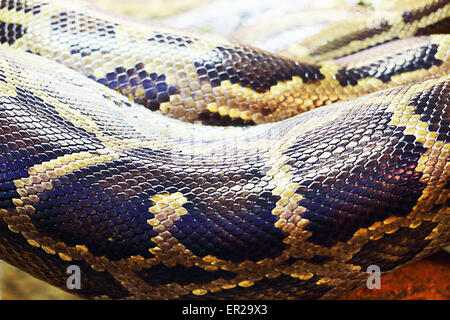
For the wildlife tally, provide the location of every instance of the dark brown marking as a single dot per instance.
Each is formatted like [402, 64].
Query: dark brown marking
[147, 89]
[432, 106]
[10, 32]
[352, 36]
[160, 275]
[409, 60]
[442, 26]
[213, 118]
[394, 249]
[18, 5]
[170, 40]
[418, 14]
[15, 250]
[252, 68]
[356, 194]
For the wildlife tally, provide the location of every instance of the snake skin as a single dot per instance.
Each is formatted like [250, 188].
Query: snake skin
[208, 79]
[398, 20]
[151, 207]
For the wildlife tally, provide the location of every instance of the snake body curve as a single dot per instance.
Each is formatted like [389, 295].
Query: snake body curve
[152, 207]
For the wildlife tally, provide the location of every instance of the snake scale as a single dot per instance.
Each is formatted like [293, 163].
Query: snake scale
[190, 169]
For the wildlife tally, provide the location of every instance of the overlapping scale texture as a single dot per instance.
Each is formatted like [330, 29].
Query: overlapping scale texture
[151, 207]
[393, 20]
[90, 177]
[208, 79]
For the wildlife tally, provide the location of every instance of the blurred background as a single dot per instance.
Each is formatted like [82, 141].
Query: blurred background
[272, 25]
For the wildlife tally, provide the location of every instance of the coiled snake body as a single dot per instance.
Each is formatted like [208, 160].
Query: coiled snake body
[153, 207]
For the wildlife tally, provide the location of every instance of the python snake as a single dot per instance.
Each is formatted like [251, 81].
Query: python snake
[121, 178]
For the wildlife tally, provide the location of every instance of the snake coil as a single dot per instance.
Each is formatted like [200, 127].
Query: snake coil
[264, 200]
